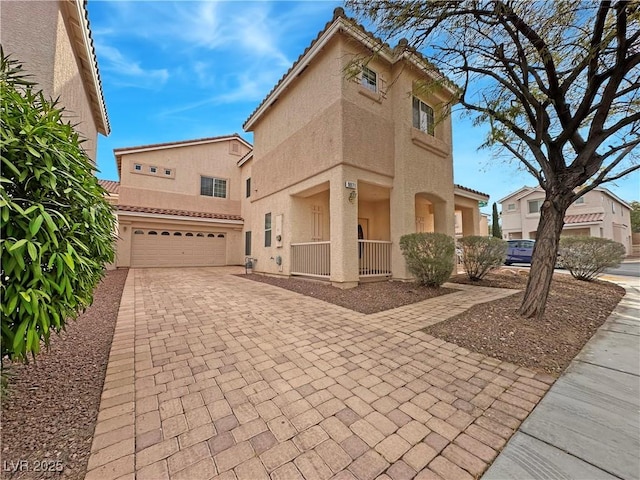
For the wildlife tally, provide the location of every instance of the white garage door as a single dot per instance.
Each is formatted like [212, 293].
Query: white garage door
[170, 248]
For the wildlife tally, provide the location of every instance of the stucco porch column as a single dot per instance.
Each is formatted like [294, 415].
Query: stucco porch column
[344, 232]
[470, 221]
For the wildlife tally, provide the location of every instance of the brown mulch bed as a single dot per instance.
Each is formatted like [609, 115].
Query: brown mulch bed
[365, 298]
[574, 312]
[50, 414]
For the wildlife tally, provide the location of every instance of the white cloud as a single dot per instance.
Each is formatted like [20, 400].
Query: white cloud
[127, 70]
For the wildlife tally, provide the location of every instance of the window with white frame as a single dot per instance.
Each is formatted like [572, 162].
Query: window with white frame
[535, 205]
[137, 167]
[267, 230]
[213, 187]
[369, 79]
[579, 201]
[167, 171]
[153, 169]
[423, 118]
[511, 207]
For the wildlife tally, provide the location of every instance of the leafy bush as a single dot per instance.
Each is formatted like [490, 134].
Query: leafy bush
[429, 256]
[56, 226]
[586, 257]
[482, 254]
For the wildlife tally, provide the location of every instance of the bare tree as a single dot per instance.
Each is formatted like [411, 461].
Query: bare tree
[557, 81]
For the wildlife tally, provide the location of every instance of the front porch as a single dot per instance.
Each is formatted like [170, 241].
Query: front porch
[313, 259]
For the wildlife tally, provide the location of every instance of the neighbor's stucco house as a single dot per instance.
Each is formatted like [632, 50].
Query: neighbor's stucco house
[53, 41]
[598, 213]
[340, 169]
[343, 166]
[179, 203]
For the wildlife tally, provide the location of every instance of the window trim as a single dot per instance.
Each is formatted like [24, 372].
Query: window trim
[430, 128]
[153, 169]
[267, 229]
[214, 181]
[247, 243]
[137, 167]
[367, 82]
[248, 187]
[539, 202]
[509, 205]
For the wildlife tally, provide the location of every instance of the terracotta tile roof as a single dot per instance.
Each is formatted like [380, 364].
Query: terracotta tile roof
[584, 218]
[180, 213]
[236, 136]
[338, 13]
[477, 192]
[110, 186]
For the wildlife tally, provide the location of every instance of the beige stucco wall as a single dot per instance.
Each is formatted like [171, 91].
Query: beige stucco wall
[35, 33]
[181, 189]
[328, 128]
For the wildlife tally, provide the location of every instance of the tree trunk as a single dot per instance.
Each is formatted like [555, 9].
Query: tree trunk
[544, 258]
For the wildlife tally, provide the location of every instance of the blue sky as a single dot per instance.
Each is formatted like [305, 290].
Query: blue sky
[180, 70]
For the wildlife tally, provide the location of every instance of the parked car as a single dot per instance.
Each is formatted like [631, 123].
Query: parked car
[519, 251]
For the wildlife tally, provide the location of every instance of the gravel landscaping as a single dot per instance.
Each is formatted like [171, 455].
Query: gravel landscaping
[50, 415]
[365, 298]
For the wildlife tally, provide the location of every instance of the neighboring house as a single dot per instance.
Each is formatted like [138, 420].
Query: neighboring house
[340, 170]
[179, 203]
[598, 213]
[113, 189]
[53, 41]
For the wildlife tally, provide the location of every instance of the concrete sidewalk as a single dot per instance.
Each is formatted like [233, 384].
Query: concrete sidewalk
[588, 424]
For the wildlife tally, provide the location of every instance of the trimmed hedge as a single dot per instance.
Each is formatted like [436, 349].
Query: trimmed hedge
[587, 257]
[429, 256]
[480, 255]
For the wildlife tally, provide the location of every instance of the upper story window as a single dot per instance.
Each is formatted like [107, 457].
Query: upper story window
[137, 167]
[423, 118]
[167, 171]
[511, 207]
[535, 205]
[613, 206]
[579, 201]
[369, 79]
[213, 187]
[153, 169]
[248, 187]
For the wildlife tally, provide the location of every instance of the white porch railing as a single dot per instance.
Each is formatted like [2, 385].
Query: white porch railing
[375, 258]
[312, 259]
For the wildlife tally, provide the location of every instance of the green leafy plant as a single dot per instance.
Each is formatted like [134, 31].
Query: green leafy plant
[587, 257]
[57, 228]
[429, 256]
[480, 255]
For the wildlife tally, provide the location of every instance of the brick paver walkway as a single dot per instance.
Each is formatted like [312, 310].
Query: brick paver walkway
[214, 376]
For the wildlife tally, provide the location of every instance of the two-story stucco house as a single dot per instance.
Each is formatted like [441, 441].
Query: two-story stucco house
[343, 167]
[598, 213]
[340, 169]
[179, 203]
[53, 42]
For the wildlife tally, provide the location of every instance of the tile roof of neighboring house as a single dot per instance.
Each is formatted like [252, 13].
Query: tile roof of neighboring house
[180, 213]
[180, 143]
[584, 218]
[82, 40]
[110, 186]
[471, 190]
[351, 26]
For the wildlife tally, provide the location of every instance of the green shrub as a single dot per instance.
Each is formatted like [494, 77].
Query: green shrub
[482, 254]
[57, 228]
[586, 257]
[429, 256]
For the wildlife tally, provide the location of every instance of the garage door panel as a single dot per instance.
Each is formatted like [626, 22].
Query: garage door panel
[177, 250]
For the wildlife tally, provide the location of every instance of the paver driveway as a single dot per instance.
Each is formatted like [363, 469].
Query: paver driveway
[214, 376]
